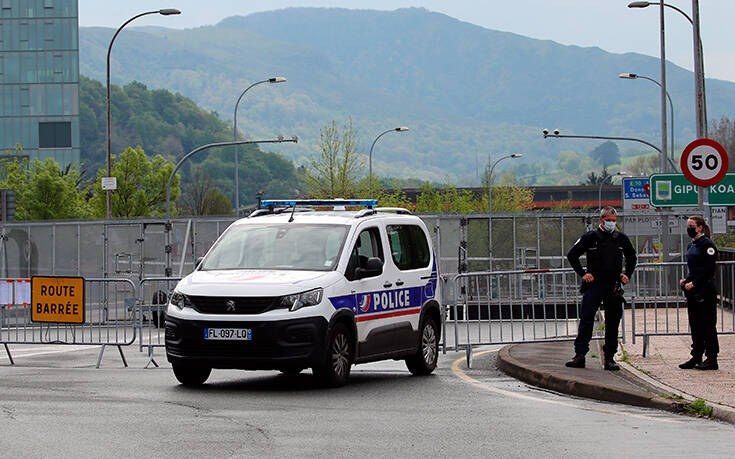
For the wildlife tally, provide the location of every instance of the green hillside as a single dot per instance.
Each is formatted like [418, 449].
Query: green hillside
[466, 92]
[172, 125]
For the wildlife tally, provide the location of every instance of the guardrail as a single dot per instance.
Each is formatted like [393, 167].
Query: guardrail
[666, 314]
[108, 317]
[503, 307]
[154, 293]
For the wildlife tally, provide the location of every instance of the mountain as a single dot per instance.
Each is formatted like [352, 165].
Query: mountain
[466, 92]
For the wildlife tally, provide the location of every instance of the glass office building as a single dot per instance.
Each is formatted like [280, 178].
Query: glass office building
[39, 79]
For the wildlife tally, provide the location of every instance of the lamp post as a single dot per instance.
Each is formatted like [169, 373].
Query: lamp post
[370, 160]
[490, 179]
[164, 12]
[237, 150]
[599, 191]
[556, 135]
[181, 162]
[634, 76]
[700, 99]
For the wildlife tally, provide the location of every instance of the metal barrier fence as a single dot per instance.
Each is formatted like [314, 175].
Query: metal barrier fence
[152, 303]
[666, 313]
[108, 317]
[503, 307]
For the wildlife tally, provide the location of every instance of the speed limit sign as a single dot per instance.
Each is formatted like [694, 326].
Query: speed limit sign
[704, 162]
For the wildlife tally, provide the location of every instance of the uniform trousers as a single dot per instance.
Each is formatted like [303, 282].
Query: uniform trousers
[703, 324]
[599, 291]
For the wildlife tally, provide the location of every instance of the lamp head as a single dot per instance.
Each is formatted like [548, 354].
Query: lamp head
[556, 131]
[516, 155]
[638, 4]
[401, 129]
[546, 132]
[277, 80]
[628, 76]
[169, 11]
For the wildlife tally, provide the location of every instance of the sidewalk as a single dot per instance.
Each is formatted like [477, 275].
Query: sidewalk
[655, 381]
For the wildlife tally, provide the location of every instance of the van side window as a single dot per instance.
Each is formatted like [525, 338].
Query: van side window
[367, 246]
[408, 246]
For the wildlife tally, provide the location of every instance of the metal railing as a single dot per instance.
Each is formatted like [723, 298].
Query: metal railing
[108, 317]
[151, 306]
[666, 314]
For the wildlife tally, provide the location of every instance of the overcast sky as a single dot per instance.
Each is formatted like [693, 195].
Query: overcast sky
[608, 24]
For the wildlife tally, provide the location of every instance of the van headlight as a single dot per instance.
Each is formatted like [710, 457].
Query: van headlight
[180, 300]
[300, 300]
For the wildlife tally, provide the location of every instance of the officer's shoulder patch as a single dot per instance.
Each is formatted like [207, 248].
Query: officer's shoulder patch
[711, 251]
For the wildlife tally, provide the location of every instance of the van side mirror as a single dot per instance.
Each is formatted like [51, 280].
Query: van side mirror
[373, 267]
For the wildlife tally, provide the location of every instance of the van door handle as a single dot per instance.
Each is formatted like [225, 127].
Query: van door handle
[387, 284]
[399, 282]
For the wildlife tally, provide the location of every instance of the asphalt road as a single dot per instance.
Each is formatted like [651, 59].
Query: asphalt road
[54, 403]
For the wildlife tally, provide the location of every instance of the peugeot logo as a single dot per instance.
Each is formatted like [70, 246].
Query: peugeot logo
[230, 306]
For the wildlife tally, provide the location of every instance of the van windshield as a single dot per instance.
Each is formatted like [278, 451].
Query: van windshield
[278, 247]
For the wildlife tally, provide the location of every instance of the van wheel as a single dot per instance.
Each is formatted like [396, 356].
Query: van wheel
[191, 375]
[338, 362]
[424, 361]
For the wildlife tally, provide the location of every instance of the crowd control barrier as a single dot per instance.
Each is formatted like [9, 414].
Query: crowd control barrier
[503, 307]
[103, 316]
[660, 307]
[152, 303]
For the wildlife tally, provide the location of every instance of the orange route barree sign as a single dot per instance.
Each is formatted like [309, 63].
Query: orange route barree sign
[57, 299]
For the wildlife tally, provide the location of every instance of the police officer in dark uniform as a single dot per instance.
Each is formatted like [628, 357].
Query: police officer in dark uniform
[605, 248]
[699, 288]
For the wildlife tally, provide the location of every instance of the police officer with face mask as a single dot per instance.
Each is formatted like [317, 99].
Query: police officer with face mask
[605, 248]
[699, 288]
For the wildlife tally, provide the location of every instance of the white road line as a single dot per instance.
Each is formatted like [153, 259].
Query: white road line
[20, 353]
[462, 375]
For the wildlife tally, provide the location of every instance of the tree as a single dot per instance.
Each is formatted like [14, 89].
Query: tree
[202, 197]
[644, 165]
[723, 131]
[510, 197]
[334, 172]
[606, 154]
[603, 179]
[141, 185]
[43, 191]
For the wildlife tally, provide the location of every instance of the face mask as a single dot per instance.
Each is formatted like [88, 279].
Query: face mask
[691, 231]
[609, 226]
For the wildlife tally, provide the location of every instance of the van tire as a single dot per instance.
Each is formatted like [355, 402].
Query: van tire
[425, 359]
[335, 370]
[191, 375]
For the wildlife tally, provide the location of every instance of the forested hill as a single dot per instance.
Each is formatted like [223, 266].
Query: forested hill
[172, 125]
[466, 92]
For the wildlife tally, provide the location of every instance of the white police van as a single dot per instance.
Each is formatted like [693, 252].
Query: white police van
[290, 290]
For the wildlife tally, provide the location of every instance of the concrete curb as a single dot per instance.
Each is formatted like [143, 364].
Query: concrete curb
[719, 412]
[579, 386]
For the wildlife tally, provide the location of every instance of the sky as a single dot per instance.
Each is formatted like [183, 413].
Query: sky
[607, 24]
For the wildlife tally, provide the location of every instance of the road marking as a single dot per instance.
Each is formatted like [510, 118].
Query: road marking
[462, 375]
[20, 353]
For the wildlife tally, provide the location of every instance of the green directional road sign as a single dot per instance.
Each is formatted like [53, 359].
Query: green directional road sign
[674, 190]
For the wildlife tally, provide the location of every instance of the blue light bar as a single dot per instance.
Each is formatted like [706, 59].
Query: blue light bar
[319, 202]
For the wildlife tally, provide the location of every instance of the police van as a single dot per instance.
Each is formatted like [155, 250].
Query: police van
[290, 288]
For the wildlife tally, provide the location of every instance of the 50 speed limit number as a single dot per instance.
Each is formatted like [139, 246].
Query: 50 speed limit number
[704, 162]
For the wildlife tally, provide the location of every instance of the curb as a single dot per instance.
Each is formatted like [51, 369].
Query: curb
[580, 387]
[719, 412]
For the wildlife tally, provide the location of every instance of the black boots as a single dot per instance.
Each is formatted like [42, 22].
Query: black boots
[610, 365]
[691, 363]
[709, 364]
[576, 362]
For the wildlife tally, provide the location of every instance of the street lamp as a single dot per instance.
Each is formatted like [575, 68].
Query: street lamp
[556, 135]
[490, 179]
[237, 150]
[700, 99]
[599, 191]
[164, 12]
[634, 76]
[370, 161]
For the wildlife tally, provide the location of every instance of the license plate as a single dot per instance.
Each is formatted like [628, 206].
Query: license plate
[244, 334]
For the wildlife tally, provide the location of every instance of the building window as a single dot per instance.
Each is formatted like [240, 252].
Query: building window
[55, 134]
[48, 3]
